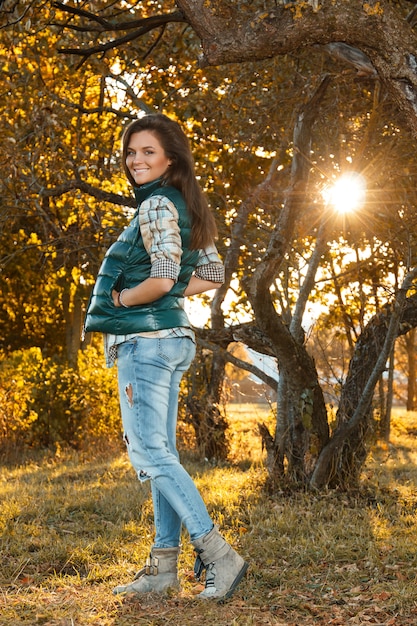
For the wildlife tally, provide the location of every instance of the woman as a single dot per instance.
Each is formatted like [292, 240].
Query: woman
[166, 253]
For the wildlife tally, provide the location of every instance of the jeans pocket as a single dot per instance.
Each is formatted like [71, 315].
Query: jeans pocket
[176, 351]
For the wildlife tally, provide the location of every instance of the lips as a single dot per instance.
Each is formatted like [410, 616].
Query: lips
[140, 173]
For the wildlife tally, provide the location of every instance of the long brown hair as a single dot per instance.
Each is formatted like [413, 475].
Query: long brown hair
[180, 174]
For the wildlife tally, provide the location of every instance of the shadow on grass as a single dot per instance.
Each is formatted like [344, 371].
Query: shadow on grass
[72, 528]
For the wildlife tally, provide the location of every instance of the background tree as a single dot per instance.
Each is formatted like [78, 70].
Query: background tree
[294, 107]
[52, 235]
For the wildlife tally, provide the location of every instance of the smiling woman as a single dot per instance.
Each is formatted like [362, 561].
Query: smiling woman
[347, 193]
[146, 159]
[165, 254]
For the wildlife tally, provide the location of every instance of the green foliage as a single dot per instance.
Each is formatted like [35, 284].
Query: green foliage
[46, 402]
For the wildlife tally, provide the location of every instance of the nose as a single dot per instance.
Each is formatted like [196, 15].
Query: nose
[136, 158]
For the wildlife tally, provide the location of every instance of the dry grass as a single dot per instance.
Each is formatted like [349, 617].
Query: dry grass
[71, 528]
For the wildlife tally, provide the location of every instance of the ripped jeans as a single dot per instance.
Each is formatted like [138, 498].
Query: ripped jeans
[149, 373]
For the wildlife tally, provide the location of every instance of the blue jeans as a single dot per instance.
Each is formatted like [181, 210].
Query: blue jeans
[149, 373]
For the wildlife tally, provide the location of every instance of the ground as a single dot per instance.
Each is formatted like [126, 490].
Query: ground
[75, 525]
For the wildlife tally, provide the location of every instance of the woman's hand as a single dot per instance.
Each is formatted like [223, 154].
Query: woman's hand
[115, 295]
[150, 290]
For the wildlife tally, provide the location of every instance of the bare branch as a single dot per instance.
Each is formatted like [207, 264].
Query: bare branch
[66, 8]
[109, 45]
[71, 185]
[154, 21]
[141, 27]
[244, 365]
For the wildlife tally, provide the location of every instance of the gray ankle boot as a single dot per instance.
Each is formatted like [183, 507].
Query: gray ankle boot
[158, 575]
[224, 567]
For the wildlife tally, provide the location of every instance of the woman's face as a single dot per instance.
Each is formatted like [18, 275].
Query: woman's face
[145, 157]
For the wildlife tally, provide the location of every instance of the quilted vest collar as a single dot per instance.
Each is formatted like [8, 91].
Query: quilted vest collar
[142, 192]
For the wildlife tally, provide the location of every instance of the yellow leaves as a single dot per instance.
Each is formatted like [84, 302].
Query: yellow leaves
[76, 275]
[34, 240]
[29, 240]
[297, 8]
[72, 217]
[373, 9]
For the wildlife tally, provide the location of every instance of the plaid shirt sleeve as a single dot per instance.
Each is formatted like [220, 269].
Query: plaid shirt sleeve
[158, 220]
[209, 265]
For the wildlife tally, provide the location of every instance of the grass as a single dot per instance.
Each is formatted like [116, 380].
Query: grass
[72, 528]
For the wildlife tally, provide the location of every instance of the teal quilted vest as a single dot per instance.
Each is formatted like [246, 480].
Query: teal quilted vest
[127, 263]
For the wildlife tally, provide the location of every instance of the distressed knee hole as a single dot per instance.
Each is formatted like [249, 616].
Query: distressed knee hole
[129, 394]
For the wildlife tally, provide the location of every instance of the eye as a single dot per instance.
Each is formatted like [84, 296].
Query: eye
[130, 153]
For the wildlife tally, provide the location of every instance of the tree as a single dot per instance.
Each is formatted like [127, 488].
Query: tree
[249, 31]
[401, 87]
[277, 213]
[407, 370]
[52, 236]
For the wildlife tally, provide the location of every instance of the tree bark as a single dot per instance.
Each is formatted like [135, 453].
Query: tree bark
[204, 409]
[306, 412]
[385, 419]
[231, 35]
[410, 343]
[340, 462]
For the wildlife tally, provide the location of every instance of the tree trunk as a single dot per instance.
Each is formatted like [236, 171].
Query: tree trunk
[304, 403]
[341, 460]
[281, 442]
[74, 320]
[410, 344]
[385, 421]
[209, 423]
[203, 403]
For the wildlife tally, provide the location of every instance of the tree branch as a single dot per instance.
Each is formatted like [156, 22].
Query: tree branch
[383, 328]
[99, 194]
[154, 21]
[244, 365]
[383, 36]
[140, 27]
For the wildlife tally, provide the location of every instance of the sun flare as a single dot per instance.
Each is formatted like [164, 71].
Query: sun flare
[347, 193]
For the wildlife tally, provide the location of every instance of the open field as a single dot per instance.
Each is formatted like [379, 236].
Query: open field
[73, 527]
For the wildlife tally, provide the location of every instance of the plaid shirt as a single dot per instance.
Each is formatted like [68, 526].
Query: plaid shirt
[158, 220]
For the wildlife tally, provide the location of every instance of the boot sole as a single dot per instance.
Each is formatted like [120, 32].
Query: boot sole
[235, 583]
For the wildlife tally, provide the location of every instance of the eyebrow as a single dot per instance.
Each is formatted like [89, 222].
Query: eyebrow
[142, 148]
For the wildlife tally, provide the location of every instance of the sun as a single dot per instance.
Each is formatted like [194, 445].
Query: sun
[347, 193]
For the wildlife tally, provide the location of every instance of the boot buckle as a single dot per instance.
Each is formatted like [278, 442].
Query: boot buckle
[151, 566]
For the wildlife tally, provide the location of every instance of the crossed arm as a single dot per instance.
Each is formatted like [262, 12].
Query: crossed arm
[152, 289]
